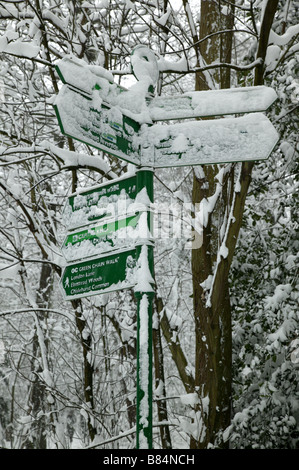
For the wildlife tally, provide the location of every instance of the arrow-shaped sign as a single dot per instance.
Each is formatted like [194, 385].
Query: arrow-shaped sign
[211, 103]
[250, 137]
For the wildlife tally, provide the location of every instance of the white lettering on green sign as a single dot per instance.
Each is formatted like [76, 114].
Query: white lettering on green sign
[105, 274]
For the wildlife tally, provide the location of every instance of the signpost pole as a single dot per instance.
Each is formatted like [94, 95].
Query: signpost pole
[144, 293]
[144, 396]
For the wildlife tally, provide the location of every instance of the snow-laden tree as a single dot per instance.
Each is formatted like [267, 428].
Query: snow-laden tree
[68, 368]
[265, 312]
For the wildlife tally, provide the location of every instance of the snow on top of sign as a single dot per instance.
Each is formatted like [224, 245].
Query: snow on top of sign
[112, 199]
[78, 73]
[86, 248]
[233, 100]
[107, 205]
[83, 118]
[133, 102]
[119, 239]
[212, 103]
[128, 174]
[251, 137]
[98, 83]
[193, 143]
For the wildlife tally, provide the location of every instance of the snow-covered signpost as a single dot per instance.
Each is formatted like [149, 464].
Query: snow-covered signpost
[113, 249]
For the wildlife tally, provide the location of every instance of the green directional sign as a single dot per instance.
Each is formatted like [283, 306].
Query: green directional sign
[92, 121]
[99, 275]
[209, 103]
[112, 199]
[107, 236]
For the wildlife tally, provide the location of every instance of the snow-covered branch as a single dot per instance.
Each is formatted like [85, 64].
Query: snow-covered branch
[168, 67]
[68, 159]
[37, 309]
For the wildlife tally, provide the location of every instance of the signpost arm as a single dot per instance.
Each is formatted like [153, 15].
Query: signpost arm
[144, 293]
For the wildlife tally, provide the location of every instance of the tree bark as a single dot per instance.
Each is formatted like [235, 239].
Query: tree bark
[212, 319]
[88, 369]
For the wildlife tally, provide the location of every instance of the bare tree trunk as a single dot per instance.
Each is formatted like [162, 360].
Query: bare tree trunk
[88, 369]
[37, 398]
[212, 323]
[213, 337]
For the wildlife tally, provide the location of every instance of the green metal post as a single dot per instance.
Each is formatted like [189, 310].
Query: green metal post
[145, 254]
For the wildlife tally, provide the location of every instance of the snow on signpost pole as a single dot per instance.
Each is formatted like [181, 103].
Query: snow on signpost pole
[144, 293]
[145, 69]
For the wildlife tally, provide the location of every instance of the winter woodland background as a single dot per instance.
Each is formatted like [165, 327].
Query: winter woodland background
[68, 369]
